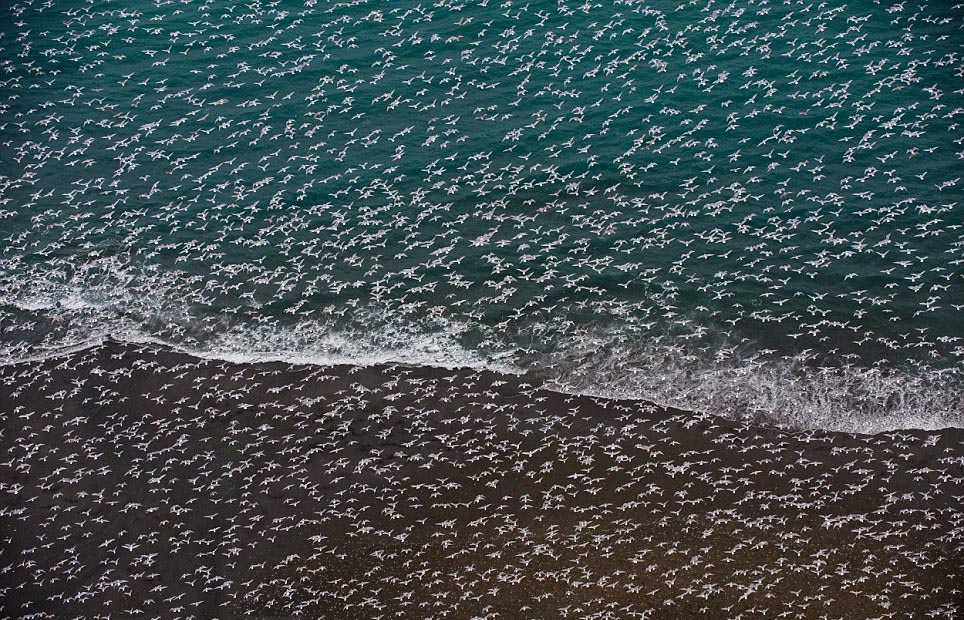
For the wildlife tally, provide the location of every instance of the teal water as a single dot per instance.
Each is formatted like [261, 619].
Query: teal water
[749, 208]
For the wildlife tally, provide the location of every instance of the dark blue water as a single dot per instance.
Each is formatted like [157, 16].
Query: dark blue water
[749, 208]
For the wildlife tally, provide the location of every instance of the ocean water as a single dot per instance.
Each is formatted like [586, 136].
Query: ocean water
[746, 208]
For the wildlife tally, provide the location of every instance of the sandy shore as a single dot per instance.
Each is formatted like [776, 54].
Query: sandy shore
[144, 483]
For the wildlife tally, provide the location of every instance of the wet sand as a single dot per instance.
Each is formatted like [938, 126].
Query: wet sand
[139, 482]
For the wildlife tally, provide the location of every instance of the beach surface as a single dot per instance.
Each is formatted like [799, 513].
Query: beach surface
[140, 482]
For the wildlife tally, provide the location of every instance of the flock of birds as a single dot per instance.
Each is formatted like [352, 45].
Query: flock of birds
[750, 208]
[719, 184]
[137, 482]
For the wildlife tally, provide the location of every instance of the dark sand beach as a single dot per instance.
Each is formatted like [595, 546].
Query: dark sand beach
[141, 483]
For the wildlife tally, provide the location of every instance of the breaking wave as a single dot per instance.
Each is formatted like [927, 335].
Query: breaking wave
[793, 392]
[796, 392]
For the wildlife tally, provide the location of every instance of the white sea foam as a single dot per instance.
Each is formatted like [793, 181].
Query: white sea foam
[308, 343]
[65, 300]
[790, 392]
[303, 343]
[786, 392]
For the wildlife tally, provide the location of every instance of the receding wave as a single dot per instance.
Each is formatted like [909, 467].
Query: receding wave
[83, 325]
[791, 391]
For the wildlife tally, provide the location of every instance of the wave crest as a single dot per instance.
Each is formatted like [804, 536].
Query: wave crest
[791, 392]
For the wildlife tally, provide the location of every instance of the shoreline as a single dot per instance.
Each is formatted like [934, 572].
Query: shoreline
[139, 480]
[855, 422]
